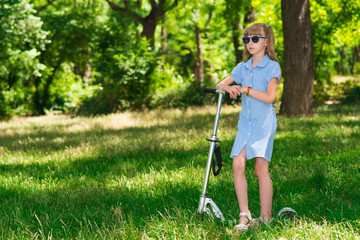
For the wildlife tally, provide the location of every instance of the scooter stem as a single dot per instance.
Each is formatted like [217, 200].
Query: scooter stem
[213, 140]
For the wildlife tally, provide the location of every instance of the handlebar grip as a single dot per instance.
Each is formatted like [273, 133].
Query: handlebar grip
[209, 90]
[212, 90]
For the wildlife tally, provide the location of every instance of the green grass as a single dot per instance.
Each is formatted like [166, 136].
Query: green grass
[139, 176]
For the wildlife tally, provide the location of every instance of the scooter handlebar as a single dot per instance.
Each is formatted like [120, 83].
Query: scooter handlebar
[212, 90]
[209, 90]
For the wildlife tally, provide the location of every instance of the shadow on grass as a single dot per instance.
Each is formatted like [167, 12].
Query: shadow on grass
[130, 159]
[58, 139]
[68, 210]
[71, 207]
[318, 177]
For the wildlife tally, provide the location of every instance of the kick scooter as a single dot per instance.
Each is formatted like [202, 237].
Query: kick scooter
[206, 204]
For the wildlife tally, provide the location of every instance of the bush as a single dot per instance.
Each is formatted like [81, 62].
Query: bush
[357, 69]
[351, 92]
[346, 92]
[123, 66]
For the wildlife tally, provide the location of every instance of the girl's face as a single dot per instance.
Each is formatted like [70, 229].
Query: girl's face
[258, 47]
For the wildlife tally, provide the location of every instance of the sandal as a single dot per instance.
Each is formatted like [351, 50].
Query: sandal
[260, 220]
[244, 226]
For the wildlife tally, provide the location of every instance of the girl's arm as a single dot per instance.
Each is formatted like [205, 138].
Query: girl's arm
[234, 91]
[268, 96]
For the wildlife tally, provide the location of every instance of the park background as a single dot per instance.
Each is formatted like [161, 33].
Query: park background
[98, 57]
[104, 121]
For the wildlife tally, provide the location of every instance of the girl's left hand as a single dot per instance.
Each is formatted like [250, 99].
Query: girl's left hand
[243, 89]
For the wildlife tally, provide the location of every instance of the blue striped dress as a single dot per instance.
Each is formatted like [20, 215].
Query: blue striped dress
[257, 123]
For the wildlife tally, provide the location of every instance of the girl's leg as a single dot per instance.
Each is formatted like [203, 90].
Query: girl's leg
[239, 164]
[265, 188]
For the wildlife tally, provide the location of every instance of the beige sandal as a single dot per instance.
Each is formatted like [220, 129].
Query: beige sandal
[260, 221]
[244, 226]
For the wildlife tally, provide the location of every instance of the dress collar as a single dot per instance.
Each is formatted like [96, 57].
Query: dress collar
[262, 63]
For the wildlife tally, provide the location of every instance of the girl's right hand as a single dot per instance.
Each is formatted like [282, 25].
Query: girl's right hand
[234, 91]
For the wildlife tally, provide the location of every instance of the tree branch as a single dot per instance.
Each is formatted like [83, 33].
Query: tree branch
[116, 7]
[175, 3]
[162, 3]
[323, 42]
[153, 4]
[125, 9]
[44, 7]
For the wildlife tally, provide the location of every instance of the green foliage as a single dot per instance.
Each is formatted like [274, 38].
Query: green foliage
[168, 89]
[343, 91]
[217, 49]
[357, 69]
[71, 32]
[351, 92]
[335, 28]
[269, 12]
[180, 96]
[82, 56]
[69, 90]
[123, 67]
[22, 40]
[335, 37]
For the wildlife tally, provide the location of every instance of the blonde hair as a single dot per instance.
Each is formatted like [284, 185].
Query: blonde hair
[262, 30]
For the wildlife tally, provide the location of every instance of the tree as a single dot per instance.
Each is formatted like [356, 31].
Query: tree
[298, 69]
[148, 22]
[123, 66]
[335, 26]
[198, 69]
[163, 42]
[22, 40]
[237, 15]
[71, 29]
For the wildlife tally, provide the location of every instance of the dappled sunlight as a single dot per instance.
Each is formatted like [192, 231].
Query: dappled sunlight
[133, 166]
[153, 181]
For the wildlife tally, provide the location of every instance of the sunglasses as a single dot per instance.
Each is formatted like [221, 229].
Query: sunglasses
[254, 39]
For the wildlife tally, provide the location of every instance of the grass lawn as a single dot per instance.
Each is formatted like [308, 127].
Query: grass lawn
[139, 176]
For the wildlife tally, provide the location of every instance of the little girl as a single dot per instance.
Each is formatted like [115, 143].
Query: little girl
[258, 79]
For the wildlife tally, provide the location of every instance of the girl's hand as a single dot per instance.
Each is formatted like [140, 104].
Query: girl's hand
[243, 89]
[234, 91]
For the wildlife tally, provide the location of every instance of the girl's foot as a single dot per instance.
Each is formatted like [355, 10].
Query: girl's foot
[244, 222]
[257, 221]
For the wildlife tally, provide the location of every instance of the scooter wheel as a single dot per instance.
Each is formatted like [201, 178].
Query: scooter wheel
[286, 213]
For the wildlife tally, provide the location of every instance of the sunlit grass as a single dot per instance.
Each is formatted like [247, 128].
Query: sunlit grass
[139, 175]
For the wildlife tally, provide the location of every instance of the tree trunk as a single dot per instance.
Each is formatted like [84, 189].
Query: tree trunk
[342, 56]
[298, 69]
[163, 43]
[49, 81]
[237, 28]
[149, 26]
[355, 58]
[236, 42]
[250, 15]
[150, 21]
[3, 112]
[41, 96]
[199, 72]
[207, 65]
[37, 104]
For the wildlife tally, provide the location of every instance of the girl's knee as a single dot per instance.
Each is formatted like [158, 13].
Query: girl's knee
[262, 168]
[261, 172]
[239, 164]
